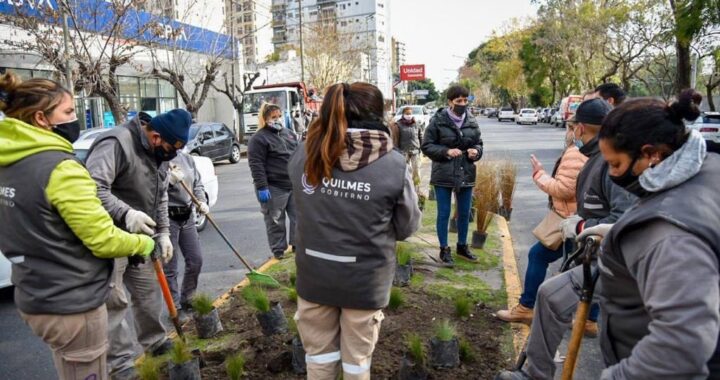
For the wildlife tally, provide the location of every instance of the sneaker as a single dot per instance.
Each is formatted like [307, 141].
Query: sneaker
[519, 313]
[126, 374]
[279, 255]
[512, 375]
[463, 252]
[446, 255]
[591, 329]
[162, 349]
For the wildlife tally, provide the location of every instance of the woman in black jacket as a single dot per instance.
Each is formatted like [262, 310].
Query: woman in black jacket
[452, 141]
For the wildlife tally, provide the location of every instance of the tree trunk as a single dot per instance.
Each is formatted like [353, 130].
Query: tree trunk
[709, 89]
[682, 78]
[117, 109]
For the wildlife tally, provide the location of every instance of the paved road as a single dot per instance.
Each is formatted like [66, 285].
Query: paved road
[238, 214]
[530, 204]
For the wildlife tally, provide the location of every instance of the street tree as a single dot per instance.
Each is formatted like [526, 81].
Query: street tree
[331, 57]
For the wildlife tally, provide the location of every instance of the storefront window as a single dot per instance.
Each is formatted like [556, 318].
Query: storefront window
[129, 92]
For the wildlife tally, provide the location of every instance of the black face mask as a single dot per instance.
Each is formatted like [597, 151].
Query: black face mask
[70, 131]
[629, 181]
[459, 110]
[162, 155]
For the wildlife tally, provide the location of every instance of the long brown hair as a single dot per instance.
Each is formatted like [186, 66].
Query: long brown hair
[326, 138]
[23, 99]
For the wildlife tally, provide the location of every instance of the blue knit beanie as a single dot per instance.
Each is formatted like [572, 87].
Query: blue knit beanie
[173, 126]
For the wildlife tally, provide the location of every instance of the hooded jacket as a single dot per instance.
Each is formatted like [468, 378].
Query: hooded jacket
[659, 282]
[56, 233]
[441, 135]
[348, 225]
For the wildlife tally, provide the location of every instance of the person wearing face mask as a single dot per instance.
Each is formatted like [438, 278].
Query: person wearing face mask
[409, 140]
[269, 152]
[57, 235]
[599, 202]
[659, 262]
[129, 163]
[452, 141]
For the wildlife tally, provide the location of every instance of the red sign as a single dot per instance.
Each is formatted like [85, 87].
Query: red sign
[412, 72]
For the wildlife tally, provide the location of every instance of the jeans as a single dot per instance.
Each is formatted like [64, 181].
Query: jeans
[464, 201]
[539, 258]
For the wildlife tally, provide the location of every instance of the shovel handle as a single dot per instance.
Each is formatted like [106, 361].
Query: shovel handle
[575, 340]
[217, 228]
[167, 296]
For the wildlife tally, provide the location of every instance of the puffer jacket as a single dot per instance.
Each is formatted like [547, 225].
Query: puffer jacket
[560, 186]
[441, 135]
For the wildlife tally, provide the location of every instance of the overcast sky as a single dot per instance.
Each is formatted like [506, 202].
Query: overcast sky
[441, 33]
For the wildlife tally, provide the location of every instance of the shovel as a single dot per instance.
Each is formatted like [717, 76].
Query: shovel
[167, 296]
[254, 276]
[589, 279]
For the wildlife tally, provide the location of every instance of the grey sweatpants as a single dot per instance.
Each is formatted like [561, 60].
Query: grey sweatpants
[147, 305]
[556, 303]
[185, 241]
[274, 211]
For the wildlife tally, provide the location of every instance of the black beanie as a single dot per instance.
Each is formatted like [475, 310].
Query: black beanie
[173, 126]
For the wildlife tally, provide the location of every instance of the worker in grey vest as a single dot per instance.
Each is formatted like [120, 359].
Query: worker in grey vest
[355, 198]
[183, 232]
[130, 166]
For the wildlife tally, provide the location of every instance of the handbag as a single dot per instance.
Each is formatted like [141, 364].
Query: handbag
[548, 231]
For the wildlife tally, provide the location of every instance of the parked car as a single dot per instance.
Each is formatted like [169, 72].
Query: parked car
[5, 272]
[420, 113]
[213, 140]
[708, 124]
[556, 118]
[527, 115]
[491, 112]
[204, 165]
[506, 113]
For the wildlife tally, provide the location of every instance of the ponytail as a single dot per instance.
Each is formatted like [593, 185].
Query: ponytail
[326, 137]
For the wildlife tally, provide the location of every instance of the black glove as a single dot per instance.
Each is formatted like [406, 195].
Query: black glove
[136, 260]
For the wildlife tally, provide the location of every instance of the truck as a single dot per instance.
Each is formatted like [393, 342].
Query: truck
[568, 106]
[297, 103]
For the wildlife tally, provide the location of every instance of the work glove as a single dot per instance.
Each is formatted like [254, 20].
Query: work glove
[203, 208]
[264, 195]
[139, 258]
[568, 227]
[139, 222]
[176, 174]
[600, 230]
[166, 247]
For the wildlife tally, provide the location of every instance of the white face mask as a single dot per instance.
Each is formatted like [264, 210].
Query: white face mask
[408, 117]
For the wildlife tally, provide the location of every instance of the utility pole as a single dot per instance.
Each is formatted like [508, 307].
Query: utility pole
[302, 54]
[232, 69]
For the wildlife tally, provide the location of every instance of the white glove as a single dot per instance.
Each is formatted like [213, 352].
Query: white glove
[600, 230]
[139, 222]
[166, 247]
[568, 227]
[176, 174]
[203, 208]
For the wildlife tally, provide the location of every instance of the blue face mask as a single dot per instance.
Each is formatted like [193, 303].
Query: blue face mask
[578, 143]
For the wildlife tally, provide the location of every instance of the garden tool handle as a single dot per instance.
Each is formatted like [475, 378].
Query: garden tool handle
[217, 228]
[165, 288]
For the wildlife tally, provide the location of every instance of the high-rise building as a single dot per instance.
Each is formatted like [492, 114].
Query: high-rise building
[398, 55]
[364, 24]
[250, 21]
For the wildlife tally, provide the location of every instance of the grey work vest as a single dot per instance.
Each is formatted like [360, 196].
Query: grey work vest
[53, 272]
[409, 137]
[141, 181]
[691, 206]
[345, 237]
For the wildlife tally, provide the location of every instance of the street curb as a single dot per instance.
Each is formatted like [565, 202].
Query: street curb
[512, 284]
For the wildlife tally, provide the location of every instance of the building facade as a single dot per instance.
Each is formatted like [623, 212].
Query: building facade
[250, 22]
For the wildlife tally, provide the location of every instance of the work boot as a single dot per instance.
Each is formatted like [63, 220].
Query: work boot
[279, 255]
[126, 374]
[591, 329]
[446, 256]
[513, 375]
[162, 349]
[464, 253]
[519, 313]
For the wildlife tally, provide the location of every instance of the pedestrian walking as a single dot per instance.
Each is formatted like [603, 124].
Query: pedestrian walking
[129, 163]
[410, 138]
[57, 235]
[269, 151]
[659, 264]
[355, 199]
[560, 186]
[183, 233]
[452, 141]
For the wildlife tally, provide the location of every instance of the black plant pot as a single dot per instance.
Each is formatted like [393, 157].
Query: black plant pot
[409, 370]
[403, 274]
[453, 225]
[185, 371]
[298, 356]
[505, 212]
[273, 322]
[444, 354]
[478, 239]
[208, 325]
